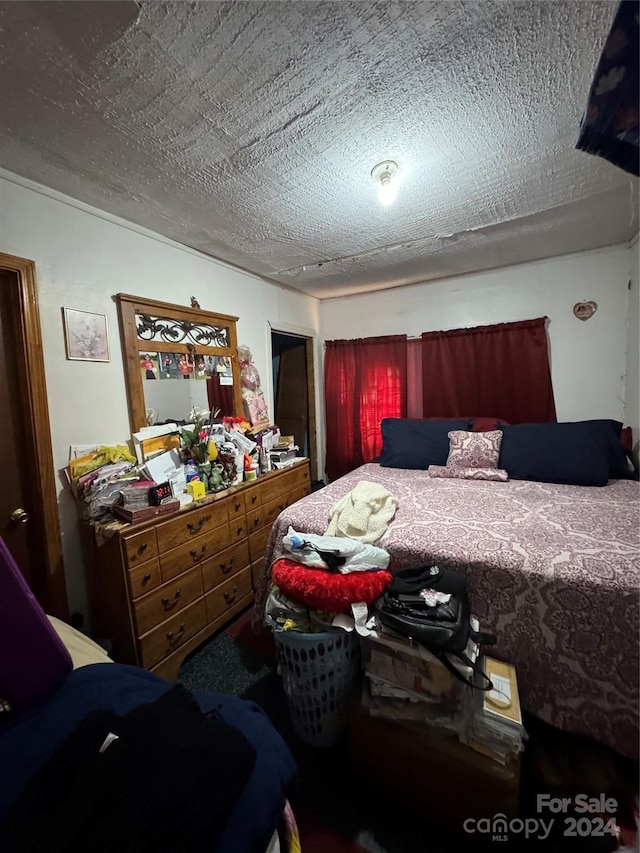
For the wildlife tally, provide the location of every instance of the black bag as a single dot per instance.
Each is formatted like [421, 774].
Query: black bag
[443, 629]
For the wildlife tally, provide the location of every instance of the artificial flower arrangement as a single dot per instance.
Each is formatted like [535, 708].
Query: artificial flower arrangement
[196, 442]
[198, 445]
[239, 424]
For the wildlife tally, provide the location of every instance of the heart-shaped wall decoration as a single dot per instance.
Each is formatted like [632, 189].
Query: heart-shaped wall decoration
[584, 310]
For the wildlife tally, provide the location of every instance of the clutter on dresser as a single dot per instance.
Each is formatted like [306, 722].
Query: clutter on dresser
[283, 451]
[96, 476]
[175, 464]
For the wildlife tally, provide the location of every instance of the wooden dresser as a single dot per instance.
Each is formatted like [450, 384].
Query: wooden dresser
[159, 588]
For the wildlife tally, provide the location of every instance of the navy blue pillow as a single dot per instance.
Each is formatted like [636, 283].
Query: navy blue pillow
[417, 444]
[618, 465]
[576, 454]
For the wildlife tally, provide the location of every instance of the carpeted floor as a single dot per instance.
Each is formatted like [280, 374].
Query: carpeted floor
[326, 795]
[337, 812]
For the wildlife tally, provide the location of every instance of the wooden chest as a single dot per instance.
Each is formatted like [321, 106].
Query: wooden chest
[160, 588]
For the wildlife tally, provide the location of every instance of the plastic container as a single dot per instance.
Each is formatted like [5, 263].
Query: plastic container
[239, 468]
[318, 673]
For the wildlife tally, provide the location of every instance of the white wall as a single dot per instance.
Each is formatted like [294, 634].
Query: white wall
[632, 372]
[83, 258]
[587, 358]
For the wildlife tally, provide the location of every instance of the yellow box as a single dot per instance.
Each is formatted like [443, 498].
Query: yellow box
[196, 489]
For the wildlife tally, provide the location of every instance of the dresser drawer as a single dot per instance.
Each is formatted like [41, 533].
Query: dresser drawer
[169, 636]
[186, 556]
[140, 548]
[167, 600]
[227, 594]
[283, 482]
[272, 510]
[235, 506]
[298, 477]
[144, 578]
[238, 529]
[255, 519]
[258, 543]
[252, 498]
[191, 524]
[298, 493]
[272, 488]
[225, 564]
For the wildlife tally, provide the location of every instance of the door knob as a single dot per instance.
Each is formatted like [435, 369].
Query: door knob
[20, 516]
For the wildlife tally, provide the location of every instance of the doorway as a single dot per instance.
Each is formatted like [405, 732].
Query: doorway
[29, 522]
[294, 392]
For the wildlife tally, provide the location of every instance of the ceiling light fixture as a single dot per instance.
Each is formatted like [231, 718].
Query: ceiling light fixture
[383, 174]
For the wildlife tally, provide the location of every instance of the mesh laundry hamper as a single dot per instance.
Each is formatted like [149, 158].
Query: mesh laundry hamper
[318, 672]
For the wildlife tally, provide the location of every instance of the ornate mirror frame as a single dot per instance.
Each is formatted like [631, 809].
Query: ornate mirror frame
[146, 323]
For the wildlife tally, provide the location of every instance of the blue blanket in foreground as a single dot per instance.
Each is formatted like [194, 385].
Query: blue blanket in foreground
[28, 738]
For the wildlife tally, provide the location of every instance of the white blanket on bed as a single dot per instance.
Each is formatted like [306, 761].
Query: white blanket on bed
[363, 513]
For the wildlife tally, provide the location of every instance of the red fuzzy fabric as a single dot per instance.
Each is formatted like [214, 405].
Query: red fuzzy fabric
[322, 590]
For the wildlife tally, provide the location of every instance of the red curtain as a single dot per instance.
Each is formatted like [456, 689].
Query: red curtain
[499, 371]
[220, 396]
[365, 380]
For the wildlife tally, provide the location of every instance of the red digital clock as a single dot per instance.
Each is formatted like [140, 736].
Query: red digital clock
[159, 493]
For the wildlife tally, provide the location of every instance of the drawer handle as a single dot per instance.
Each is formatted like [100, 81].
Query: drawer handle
[196, 528]
[239, 530]
[281, 506]
[146, 578]
[175, 638]
[226, 567]
[256, 521]
[195, 556]
[237, 506]
[170, 603]
[230, 597]
[143, 548]
[253, 498]
[306, 475]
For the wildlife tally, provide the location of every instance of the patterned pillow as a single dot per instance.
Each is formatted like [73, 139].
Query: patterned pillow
[442, 472]
[474, 449]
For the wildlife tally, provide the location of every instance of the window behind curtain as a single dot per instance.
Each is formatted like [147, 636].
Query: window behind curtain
[499, 371]
[365, 381]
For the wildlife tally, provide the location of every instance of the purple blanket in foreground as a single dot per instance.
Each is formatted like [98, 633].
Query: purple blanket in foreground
[554, 572]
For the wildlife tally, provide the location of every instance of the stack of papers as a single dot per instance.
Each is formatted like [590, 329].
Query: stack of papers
[276, 464]
[407, 683]
[411, 667]
[497, 729]
[161, 469]
[99, 489]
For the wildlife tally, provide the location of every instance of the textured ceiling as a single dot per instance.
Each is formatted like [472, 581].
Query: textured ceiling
[248, 130]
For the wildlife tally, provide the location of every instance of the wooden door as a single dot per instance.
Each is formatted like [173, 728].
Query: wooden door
[292, 395]
[28, 507]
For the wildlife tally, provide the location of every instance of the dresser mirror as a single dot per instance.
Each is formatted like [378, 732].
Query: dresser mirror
[177, 358]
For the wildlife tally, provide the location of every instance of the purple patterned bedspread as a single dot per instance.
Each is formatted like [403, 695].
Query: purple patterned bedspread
[554, 572]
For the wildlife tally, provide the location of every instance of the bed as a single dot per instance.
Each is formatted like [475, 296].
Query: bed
[553, 571]
[83, 681]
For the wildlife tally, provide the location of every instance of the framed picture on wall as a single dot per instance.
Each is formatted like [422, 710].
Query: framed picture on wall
[86, 335]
